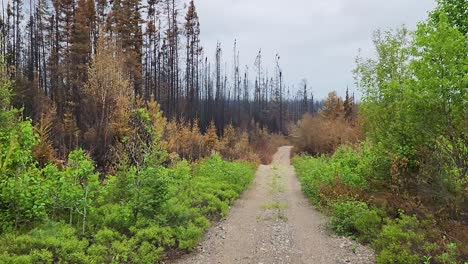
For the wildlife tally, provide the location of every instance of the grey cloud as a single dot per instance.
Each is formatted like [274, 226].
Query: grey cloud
[317, 39]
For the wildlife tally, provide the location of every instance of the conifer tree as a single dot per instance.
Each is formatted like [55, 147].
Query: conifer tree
[80, 52]
[348, 106]
[125, 23]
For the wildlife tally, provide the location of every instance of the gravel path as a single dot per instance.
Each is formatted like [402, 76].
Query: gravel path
[273, 222]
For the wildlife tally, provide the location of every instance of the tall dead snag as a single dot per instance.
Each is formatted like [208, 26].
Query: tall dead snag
[171, 53]
[279, 93]
[220, 92]
[237, 83]
[152, 52]
[192, 33]
[305, 101]
[257, 89]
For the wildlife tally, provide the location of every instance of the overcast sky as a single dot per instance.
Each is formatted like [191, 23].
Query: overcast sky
[316, 39]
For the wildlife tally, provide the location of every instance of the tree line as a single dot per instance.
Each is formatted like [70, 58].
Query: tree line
[48, 47]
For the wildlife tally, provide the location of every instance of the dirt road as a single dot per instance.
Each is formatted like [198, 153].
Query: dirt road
[273, 222]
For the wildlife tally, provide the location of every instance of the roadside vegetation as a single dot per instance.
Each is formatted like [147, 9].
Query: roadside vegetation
[401, 187]
[153, 202]
[124, 184]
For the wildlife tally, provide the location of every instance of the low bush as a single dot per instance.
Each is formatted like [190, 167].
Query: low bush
[328, 179]
[343, 185]
[186, 142]
[51, 242]
[403, 240]
[315, 135]
[355, 218]
[265, 144]
[137, 216]
[235, 145]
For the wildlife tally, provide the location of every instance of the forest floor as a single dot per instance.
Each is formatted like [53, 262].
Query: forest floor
[273, 222]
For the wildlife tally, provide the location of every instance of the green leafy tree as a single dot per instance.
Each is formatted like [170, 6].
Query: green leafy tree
[22, 192]
[383, 83]
[439, 88]
[83, 182]
[73, 189]
[456, 12]
[415, 105]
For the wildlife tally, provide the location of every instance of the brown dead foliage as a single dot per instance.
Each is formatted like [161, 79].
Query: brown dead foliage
[266, 144]
[44, 152]
[186, 142]
[320, 135]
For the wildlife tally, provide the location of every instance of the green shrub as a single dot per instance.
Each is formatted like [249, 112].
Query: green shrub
[313, 173]
[103, 249]
[320, 174]
[41, 256]
[188, 236]
[368, 224]
[357, 219]
[402, 240]
[113, 216]
[147, 253]
[450, 255]
[134, 217]
[58, 239]
[346, 162]
[237, 174]
[14, 259]
[148, 244]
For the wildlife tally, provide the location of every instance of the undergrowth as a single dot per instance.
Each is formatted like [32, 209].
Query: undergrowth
[190, 197]
[342, 186]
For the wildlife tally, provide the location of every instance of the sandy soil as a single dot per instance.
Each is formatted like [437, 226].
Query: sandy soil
[273, 222]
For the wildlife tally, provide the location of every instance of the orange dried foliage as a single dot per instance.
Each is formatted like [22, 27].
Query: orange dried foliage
[265, 144]
[44, 152]
[317, 135]
[185, 142]
[235, 146]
